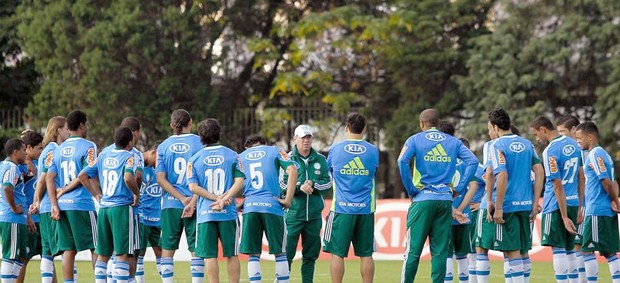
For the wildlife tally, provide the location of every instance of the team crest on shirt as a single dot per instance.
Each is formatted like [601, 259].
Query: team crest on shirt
[130, 161]
[49, 158]
[553, 164]
[90, 156]
[500, 156]
[601, 164]
[317, 166]
[189, 173]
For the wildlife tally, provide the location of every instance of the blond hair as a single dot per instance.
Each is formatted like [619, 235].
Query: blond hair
[51, 132]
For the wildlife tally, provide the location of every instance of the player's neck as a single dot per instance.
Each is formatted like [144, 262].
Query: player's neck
[302, 152]
[502, 133]
[593, 145]
[13, 159]
[351, 136]
[75, 135]
[553, 135]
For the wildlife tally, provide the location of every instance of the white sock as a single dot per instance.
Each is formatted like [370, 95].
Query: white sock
[449, 269]
[507, 272]
[17, 267]
[198, 270]
[614, 268]
[282, 271]
[516, 270]
[463, 269]
[589, 260]
[527, 268]
[483, 268]
[471, 261]
[75, 273]
[581, 267]
[121, 271]
[6, 271]
[158, 263]
[47, 269]
[254, 269]
[573, 270]
[167, 270]
[101, 272]
[140, 270]
[560, 265]
[110, 270]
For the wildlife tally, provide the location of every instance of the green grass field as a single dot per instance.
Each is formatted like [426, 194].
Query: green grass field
[385, 271]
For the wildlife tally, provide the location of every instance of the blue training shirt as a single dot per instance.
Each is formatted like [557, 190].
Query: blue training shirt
[150, 199]
[353, 165]
[12, 177]
[215, 169]
[69, 159]
[460, 169]
[598, 166]
[479, 176]
[111, 167]
[515, 155]
[435, 155]
[45, 161]
[561, 160]
[173, 154]
[486, 163]
[29, 188]
[261, 165]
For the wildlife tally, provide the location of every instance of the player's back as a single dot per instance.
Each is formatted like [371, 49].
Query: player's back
[111, 167]
[561, 159]
[517, 156]
[69, 159]
[12, 176]
[215, 169]
[460, 170]
[598, 166]
[30, 183]
[173, 155]
[353, 164]
[45, 161]
[150, 198]
[261, 166]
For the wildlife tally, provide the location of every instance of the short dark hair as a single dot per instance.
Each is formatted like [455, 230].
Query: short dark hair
[465, 142]
[568, 121]
[12, 145]
[32, 138]
[180, 118]
[446, 127]
[588, 128]
[132, 123]
[122, 137]
[255, 139]
[209, 131]
[356, 123]
[541, 121]
[75, 118]
[515, 130]
[499, 117]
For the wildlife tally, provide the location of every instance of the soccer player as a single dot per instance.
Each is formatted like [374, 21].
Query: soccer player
[150, 213]
[431, 193]
[304, 216]
[216, 174]
[74, 208]
[563, 198]
[513, 158]
[567, 126]
[600, 231]
[34, 146]
[56, 132]
[116, 171]
[13, 230]
[262, 208]
[179, 203]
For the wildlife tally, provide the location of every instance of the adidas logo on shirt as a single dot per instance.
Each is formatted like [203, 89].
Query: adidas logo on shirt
[355, 167]
[437, 154]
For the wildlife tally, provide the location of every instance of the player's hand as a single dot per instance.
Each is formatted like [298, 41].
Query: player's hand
[306, 189]
[474, 206]
[240, 207]
[18, 209]
[569, 225]
[283, 202]
[580, 217]
[60, 192]
[217, 205]
[614, 206]
[188, 211]
[490, 210]
[498, 216]
[55, 213]
[186, 201]
[34, 208]
[459, 216]
[535, 211]
[136, 200]
[98, 198]
[31, 227]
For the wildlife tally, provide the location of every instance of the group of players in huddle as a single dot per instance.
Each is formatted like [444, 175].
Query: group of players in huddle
[60, 196]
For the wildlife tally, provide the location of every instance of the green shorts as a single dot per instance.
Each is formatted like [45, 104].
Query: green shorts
[515, 234]
[14, 240]
[49, 238]
[208, 233]
[149, 237]
[343, 229]
[33, 244]
[172, 226]
[115, 231]
[472, 229]
[485, 231]
[579, 236]
[554, 233]
[254, 224]
[600, 233]
[460, 241]
[82, 224]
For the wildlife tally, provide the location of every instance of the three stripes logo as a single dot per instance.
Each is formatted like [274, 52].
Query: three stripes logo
[437, 154]
[355, 167]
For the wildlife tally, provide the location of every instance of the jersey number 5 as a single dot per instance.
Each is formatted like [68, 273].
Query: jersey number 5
[256, 176]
